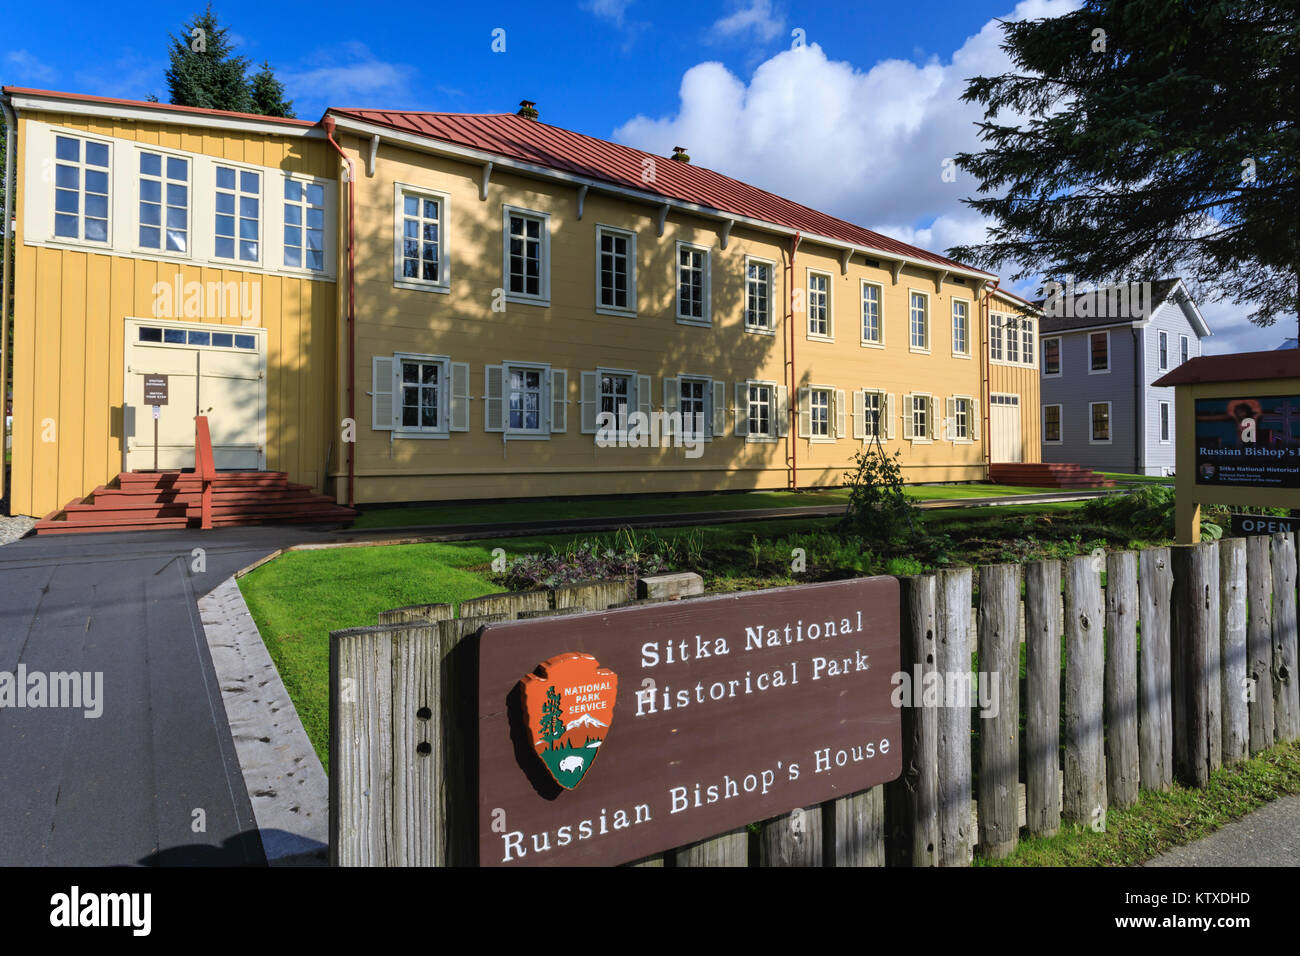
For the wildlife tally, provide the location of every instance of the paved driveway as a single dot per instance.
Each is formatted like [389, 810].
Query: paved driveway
[154, 779]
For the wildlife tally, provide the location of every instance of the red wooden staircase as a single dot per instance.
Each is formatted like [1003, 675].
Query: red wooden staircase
[140, 501]
[203, 498]
[1042, 475]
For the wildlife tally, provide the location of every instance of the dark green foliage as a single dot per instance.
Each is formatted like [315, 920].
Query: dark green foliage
[268, 94]
[552, 718]
[1172, 151]
[205, 72]
[878, 511]
[1146, 511]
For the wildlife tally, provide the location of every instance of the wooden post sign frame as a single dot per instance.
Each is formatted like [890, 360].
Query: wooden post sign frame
[1236, 422]
[607, 737]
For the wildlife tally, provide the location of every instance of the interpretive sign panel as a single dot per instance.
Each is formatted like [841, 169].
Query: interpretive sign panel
[1248, 442]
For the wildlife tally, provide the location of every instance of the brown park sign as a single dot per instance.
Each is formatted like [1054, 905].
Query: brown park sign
[706, 715]
[155, 389]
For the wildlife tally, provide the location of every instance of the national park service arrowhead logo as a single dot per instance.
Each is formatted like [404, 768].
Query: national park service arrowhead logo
[569, 705]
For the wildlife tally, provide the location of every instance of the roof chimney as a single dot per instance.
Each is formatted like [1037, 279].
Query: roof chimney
[680, 154]
[528, 109]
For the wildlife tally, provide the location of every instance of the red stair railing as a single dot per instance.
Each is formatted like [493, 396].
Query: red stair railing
[205, 468]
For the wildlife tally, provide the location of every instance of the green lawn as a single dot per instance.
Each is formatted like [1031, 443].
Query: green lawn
[1161, 821]
[454, 513]
[298, 598]
[1120, 478]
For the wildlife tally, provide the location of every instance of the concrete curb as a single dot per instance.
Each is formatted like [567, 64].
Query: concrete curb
[286, 783]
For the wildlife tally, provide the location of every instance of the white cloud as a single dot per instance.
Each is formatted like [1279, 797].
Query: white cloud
[25, 67]
[347, 75]
[611, 10]
[757, 19]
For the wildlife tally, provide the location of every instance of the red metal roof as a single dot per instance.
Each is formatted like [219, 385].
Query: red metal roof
[509, 135]
[1235, 367]
[145, 104]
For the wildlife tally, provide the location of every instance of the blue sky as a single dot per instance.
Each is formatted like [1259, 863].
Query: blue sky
[720, 78]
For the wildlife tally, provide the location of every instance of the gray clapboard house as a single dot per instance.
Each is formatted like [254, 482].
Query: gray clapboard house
[1101, 351]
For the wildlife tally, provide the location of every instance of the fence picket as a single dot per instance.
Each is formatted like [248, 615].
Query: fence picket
[953, 660]
[1121, 707]
[1233, 689]
[999, 661]
[1259, 643]
[1042, 697]
[1155, 707]
[912, 799]
[1286, 683]
[1198, 729]
[1084, 796]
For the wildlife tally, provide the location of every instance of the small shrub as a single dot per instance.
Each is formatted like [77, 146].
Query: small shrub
[902, 567]
[878, 510]
[580, 561]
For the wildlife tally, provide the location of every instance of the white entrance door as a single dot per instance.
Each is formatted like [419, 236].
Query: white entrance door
[1006, 444]
[212, 370]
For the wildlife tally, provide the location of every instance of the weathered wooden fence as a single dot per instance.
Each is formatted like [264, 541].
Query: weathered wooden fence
[1185, 660]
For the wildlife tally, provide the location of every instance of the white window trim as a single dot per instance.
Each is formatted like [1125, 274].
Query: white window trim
[708, 403]
[882, 419]
[1035, 341]
[327, 239]
[1110, 421]
[706, 320]
[880, 302]
[968, 353]
[1088, 359]
[523, 434]
[911, 409]
[190, 196]
[444, 397]
[264, 222]
[1184, 340]
[829, 336]
[38, 207]
[633, 396]
[115, 168]
[1060, 423]
[401, 281]
[1162, 350]
[773, 412]
[929, 324]
[631, 310]
[770, 328]
[831, 435]
[1060, 355]
[1168, 408]
[970, 413]
[543, 298]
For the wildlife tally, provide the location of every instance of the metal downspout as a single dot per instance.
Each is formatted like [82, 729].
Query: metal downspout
[11, 136]
[328, 123]
[791, 431]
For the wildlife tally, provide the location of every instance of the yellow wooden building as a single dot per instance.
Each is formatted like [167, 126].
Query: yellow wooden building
[398, 306]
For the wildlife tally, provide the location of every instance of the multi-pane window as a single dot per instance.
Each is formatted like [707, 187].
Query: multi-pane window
[920, 411]
[819, 413]
[524, 256]
[1183, 348]
[692, 398]
[871, 327]
[80, 189]
[961, 418]
[304, 225]
[421, 396]
[920, 321]
[961, 327]
[873, 412]
[524, 397]
[1051, 423]
[995, 337]
[1027, 341]
[758, 295]
[760, 411]
[1099, 352]
[421, 238]
[1163, 338]
[1164, 421]
[1012, 326]
[238, 220]
[818, 312]
[616, 251]
[692, 283]
[1100, 412]
[164, 202]
[1051, 356]
[616, 396]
